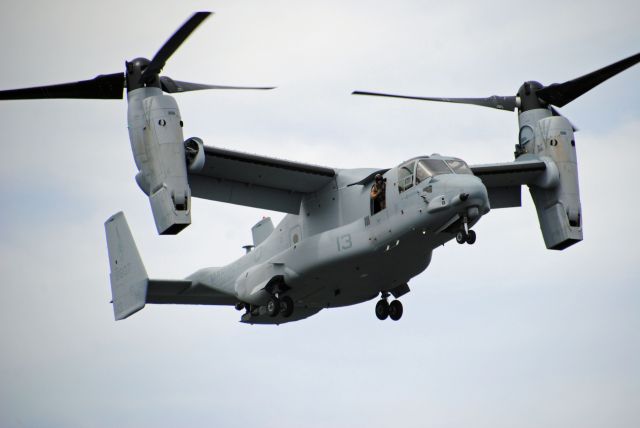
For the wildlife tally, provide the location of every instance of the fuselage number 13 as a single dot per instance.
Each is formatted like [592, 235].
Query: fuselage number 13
[344, 242]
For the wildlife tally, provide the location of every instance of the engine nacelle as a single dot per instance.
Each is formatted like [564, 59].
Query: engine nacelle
[155, 131]
[556, 195]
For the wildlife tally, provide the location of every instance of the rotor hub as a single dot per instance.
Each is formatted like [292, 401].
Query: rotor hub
[528, 94]
[135, 69]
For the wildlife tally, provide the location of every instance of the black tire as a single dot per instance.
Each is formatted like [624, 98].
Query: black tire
[273, 306]
[286, 306]
[461, 238]
[395, 310]
[382, 309]
[471, 238]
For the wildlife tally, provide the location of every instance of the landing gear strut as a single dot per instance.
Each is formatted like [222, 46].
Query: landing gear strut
[385, 310]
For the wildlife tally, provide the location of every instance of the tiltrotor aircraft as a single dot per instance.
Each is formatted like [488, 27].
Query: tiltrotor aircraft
[344, 240]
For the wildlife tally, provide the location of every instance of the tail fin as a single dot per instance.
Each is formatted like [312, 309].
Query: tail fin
[128, 276]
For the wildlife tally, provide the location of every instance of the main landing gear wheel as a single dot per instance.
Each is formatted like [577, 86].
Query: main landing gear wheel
[395, 310]
[273, 306]
[382, 309]
[461, 238]
[286, 306]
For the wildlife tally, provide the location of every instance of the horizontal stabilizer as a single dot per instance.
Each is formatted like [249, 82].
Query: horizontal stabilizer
[185, 292]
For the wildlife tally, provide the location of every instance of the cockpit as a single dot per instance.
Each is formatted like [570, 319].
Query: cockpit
[417, 170]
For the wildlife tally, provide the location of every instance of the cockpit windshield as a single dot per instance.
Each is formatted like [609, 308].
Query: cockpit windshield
[429, 168]
[416, 171]
[459, 166]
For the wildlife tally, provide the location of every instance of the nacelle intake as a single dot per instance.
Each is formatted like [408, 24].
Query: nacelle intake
[194, 154]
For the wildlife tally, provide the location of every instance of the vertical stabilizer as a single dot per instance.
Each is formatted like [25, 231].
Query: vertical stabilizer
[261, 230]
[128, 276]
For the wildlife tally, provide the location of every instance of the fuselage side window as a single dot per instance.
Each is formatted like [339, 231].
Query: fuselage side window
[405, 176]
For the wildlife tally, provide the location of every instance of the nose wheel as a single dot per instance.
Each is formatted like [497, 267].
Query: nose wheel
[468, 237]
[465, 234]
[385, 310]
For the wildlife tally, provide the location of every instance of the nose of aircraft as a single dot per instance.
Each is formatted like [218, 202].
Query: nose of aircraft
[471, 192]
[462, 192]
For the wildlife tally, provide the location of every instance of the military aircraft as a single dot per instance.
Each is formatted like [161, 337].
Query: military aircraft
[350, 235]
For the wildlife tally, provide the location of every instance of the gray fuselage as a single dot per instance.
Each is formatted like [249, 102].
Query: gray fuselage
[335, 252]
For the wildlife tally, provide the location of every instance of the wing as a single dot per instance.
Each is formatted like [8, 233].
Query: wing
[503, 180]
[181, 292]
[256, 181]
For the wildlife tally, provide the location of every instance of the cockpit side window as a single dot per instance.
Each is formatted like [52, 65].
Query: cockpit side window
[430, 167]
[405, 176]
[459, 166]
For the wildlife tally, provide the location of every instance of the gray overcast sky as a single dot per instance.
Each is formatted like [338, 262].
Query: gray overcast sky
[501, 334]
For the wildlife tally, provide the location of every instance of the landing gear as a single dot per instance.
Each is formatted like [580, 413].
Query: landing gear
[385, 310]
[282, 306]
[286, 306]
[395, 310]
[465, 234]
[273, 306]
[471, 237]
[382, 309]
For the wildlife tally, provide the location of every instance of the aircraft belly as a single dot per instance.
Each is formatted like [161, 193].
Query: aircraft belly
[299, 313]
[349, 264]
[346, 276]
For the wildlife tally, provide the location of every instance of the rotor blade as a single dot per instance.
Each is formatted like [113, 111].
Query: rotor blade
[171, 45]
[104, 86]
[500, 103]
[560, 94]
[176, 86]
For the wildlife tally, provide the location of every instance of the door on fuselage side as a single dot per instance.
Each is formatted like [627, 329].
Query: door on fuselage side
[378, 195]
[378, 222]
